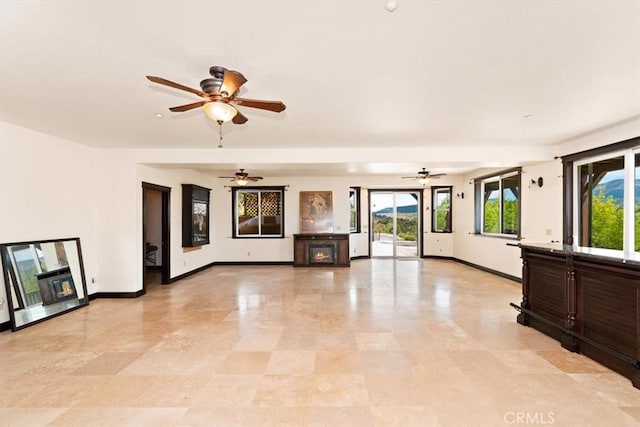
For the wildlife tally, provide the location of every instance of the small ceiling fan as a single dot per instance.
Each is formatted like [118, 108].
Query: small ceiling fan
[423, 176]
[242, 178]
[220, 95]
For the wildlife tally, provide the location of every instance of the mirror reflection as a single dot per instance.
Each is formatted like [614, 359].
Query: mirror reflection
[43, 279]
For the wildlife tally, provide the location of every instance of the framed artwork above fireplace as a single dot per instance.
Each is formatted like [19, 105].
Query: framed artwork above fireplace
[316, 212]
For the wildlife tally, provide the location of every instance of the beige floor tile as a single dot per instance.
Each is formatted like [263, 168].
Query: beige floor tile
[175, 363]
[382, 343]
[291, 362]
[31, 417]
[120, 416]
[339, 390]
[341, 416]
[379, 341]
[284, 391]
[405, 416]
[228, 391]
[571, 363]
[207, 417]
[276, 417]
[107, 364]
[633, 411]
[338, 362]
[245, 363]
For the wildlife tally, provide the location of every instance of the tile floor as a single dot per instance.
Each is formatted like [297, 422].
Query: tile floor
[383, 343]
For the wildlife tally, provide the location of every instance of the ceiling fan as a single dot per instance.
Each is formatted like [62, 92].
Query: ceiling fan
[423, 176]
[242, 178]
[220, 95]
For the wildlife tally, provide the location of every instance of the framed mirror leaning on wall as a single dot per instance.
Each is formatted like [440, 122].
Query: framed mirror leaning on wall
[43, 279]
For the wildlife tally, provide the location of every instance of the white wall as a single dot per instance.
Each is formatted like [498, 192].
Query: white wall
[276, 250]
[53, 188]
[46, 192]
[607, 135]
[541, 220]
[181, 261]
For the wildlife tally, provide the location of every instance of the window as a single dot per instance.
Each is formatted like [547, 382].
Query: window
[607, 200]
[441, 209]
[498, 204]
[258, 212]
[354, 206]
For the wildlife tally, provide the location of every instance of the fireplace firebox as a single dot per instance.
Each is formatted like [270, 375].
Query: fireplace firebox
[322, 253]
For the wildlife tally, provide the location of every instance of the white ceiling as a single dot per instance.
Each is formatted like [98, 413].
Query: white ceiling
[431, 75]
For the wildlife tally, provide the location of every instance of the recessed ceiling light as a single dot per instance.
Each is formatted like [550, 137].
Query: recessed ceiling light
[528, 116]
[159, 115]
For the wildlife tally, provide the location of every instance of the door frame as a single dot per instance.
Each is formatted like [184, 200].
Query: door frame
[420, 192]
[165, 224]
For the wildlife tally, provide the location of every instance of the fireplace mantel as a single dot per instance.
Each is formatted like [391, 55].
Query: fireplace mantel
[321, 250]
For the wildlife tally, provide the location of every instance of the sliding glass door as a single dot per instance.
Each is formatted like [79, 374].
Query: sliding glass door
[395, 223]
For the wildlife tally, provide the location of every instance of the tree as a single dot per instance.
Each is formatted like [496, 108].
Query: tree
[491, 215]
[607, 222]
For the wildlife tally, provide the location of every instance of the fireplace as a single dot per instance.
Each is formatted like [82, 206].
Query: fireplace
[321, 250]
[322, 253]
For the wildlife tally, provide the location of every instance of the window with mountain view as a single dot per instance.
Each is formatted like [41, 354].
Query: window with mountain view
[441, 209]
[608, 201]
[498, 204]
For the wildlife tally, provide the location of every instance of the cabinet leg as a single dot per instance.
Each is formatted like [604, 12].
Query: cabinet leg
[523, 319]
[570, 343]
[635, 378]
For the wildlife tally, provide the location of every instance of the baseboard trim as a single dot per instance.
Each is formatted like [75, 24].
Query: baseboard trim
[5, 326]
[489, 270]
[189, 273]
[360, 257]
[254, 263]
[449, 258]
[135, 294]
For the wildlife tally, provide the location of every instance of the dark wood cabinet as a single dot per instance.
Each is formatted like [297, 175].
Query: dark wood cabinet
[195, 215]
[588, 301]
[321, 250]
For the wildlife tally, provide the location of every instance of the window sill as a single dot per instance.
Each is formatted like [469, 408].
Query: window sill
[498, 236]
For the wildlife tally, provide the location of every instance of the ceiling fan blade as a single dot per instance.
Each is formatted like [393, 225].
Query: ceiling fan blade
[255, 178]
[188, 107]
[437, 175]
[275, 106]
[174, 85]
[239, 118]
[231, 81]
[409, 177]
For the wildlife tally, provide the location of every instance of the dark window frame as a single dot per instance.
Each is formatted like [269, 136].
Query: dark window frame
[260, 189]
[434, 211]
[479, 202]
[356, 192]
[568, 166]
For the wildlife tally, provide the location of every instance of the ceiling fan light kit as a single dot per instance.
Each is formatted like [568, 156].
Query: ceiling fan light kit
[424, 176]
[219, 111]
[220, 93]
[242, 178]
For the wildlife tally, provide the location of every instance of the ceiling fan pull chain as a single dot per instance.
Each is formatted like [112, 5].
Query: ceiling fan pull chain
[220, 129]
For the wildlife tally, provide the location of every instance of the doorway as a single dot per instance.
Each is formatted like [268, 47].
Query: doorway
[396, 223]
[156, 259]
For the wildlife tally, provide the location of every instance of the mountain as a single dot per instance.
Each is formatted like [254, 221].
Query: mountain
[409, 209]
[615, 189]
